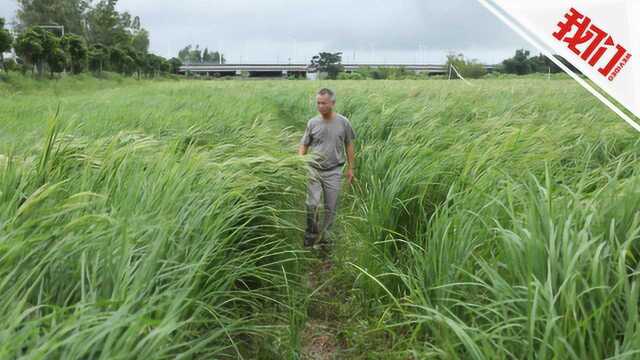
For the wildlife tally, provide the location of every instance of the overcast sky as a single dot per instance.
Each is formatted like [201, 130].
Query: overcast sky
[391, 31]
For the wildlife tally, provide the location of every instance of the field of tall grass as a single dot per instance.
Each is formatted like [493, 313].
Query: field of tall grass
[164, 219]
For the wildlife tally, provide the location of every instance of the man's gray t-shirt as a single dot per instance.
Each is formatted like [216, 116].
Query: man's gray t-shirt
[326, 140]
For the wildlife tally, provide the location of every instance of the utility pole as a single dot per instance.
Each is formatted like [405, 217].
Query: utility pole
[244, 51]
[373, 54]
[295, 50]
[424, 54]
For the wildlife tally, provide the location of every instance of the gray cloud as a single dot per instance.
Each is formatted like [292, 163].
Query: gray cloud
[367, 31]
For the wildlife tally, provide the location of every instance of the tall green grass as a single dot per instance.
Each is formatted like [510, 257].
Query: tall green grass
[497, 223]
[118, 242]
[164, 219]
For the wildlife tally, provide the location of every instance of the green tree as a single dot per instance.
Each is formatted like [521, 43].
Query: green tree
[68, 13]
[519, 64]
[98, 36]
[217, 57]
[153, 65]
[174, 64]
[102, 23]
[370, 72]
[471, 69]
[183, 54]
[57, 60]
[329, 63]
[105, 25]
[28, 45]
[98, 57]
[129, 64]
[125, 60]
[206, 57]
[165, 67]
[54, 54]
[540, 64]
[118, 59]
[212, 57]
[5, 43]
[140, 41]
[76, 47]
[190, 54]
[12, 65]
[196, 55]
[543, 64]
[134, 61]
[140, 60]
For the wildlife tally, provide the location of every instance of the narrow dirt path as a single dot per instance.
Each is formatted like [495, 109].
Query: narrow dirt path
[319, 337]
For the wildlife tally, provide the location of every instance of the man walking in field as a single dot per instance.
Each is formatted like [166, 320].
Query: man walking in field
[326, 137]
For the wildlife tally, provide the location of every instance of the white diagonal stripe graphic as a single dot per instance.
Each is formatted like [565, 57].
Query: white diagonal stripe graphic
[547, 13]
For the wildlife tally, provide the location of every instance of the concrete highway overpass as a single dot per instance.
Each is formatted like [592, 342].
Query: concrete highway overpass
[303, 70]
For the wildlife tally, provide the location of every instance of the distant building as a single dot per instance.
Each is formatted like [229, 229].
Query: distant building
[9, 56]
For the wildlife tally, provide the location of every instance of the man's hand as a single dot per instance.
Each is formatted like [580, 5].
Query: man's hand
[302, 150]
[349, 175]
[351, 159]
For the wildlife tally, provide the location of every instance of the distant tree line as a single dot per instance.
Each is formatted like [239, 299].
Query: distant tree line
[331, 65]
[194, 55]
[96, 38]
[467, 68]
[522, 63]
[381, 73]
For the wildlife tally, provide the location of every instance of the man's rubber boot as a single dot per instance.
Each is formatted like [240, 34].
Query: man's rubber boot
[309, 241]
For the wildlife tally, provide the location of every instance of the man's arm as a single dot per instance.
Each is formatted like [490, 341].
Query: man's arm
[302, 149]
[351, 159]
[305, 142]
